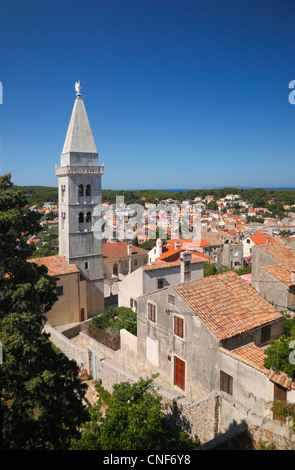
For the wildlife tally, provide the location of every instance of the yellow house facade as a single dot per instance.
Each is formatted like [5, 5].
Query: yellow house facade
[71, 288]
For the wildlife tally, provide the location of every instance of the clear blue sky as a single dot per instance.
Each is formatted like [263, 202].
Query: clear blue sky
[179, 93]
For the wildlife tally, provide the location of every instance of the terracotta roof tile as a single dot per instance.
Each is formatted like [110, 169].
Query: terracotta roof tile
[57, 265]
[119, 250]
[250, 354]
[261, 239]
[282, 272]
[278, 251]
[253, 356]
[227, 304]
[280, 378]
[160, 264]
[286, 262]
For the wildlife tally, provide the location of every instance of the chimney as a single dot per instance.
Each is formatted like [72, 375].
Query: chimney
[129, 250]
[267, 239]
[293, 277]
[159, 246]
[185, 266]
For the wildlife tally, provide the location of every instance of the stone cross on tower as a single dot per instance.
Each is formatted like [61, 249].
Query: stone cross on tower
[79, 192]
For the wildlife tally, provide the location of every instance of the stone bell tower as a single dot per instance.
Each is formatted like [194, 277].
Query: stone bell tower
[79, 192]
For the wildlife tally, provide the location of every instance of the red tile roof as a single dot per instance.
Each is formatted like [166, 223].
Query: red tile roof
[278, 252]
[227, 304]
[286, 262]
[117, 250]
[160, 264]
[253, 356]
[262, 239]
[57, 265]
[250, 354]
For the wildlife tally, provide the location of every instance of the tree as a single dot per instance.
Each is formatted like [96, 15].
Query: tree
[48, 244]
[117, 318]
[40, 393]
[134, 420]
[278, 351]
[212, 205]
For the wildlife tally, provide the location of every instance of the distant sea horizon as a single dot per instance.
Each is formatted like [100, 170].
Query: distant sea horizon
[196, 189]
[220, 187]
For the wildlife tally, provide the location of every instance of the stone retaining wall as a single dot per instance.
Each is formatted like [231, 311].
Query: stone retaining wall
[69, 347]
[203, 420]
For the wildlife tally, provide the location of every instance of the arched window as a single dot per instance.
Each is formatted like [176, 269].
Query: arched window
[81, 218]
[88, 217]
[80, 190]
[88, 190]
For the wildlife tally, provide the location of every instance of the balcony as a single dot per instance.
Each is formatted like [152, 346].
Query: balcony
[79, 170]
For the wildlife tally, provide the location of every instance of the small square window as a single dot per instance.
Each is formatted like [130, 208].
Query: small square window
[160, 283]
[171, 299]
[59, 290]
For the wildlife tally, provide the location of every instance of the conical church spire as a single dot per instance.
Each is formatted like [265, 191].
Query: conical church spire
[79, 138]
[79, 193]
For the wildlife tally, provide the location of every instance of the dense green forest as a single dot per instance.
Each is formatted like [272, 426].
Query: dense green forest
[37, 195]
[259, 197]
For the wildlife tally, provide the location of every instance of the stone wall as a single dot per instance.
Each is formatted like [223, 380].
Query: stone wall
[211, 420]
[199, 419]
[69, 347]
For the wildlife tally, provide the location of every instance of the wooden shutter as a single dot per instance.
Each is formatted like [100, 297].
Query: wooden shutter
[178, 326]
[226, 383]
[152, 312]
[280, 394]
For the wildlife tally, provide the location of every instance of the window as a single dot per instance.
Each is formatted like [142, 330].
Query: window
[88, 217]
[265, 334]
[160, 283]
[81, 218]
[171, 299]
[115, 269]
[151, 312]
[82, 314]
[86, 265]
[187, 276]
[88, 190]
[133, 304]
[59, 290]
[80, 190]
[226, 383]
[248, 241]
[178, 326]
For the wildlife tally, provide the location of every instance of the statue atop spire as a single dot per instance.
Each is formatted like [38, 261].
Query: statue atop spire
[78, 88]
